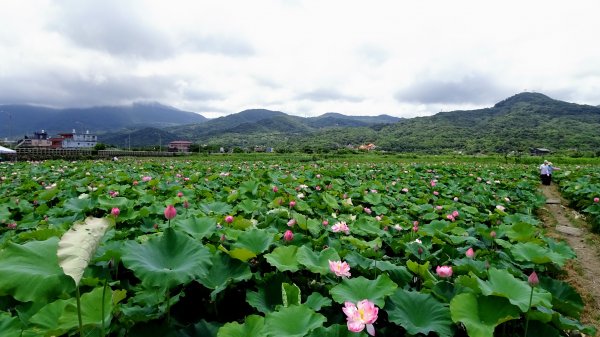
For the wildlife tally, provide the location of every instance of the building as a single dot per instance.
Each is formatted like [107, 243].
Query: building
[76, 141]
[39, 139]
[179, 146]
[539, 151]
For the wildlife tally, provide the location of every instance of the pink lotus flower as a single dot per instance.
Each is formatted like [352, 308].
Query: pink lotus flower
[367, 210]
[146, 178]
[493, 234]
[292, 203]
[450, 217]
[533, 279]
[115, 212]
[455, 214]
[180, 194]
[433, 182]
[436, 193]
[186, 204]
[361, 315]
[405, 190]
[11, 225]
[229, 219]
[500, 208]
[444, 271]
[135, 183]
[470, 253]
[288, 235]
[291, 223]
[275, 189]
[339, 268]
[325, 223]
[170, 212]
[340, 227]
[596, 199]
[438, 207]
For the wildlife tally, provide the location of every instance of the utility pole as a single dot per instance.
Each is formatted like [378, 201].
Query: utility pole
[159, 142]
[129, 141]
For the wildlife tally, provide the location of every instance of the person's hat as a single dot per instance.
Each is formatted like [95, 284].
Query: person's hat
[545, 162]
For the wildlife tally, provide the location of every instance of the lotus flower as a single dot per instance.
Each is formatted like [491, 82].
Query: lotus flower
[229, 219]
[596, 199]
[115, 212]
[361, 315]
[292, 204]
[470, 253]
[340, 227]
[288, 235]
[339, 268]
[533, 279]
[170, 212]
[291, 223]
[444, 271]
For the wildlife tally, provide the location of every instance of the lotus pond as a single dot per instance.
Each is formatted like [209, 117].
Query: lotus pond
[233, 248]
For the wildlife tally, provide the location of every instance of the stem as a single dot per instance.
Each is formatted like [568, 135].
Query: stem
[102, 333]
[77, 295]
[168, 304]
[527, 313]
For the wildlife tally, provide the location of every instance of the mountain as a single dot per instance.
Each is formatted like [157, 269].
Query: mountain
[518, 123]
[26, 119]
[333, 119]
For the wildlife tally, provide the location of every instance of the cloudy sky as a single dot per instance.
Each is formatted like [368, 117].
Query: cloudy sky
[402, 58]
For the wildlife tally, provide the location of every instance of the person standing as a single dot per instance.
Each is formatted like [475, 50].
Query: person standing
[544, 173]
[551, 168]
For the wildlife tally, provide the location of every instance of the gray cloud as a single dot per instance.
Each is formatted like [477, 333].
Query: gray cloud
[117, 28]
[322, 95]
[469, 89]
[68, 90]
[201, 95]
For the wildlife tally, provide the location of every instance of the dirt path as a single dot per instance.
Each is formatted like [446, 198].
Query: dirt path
[584, 272]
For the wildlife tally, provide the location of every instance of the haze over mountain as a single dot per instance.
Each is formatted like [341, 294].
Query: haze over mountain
[518, 123]
[26, 119]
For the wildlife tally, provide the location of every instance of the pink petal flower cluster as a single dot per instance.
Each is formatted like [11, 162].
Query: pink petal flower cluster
[170, 212]
[115, 212]
[291, 223]
[596, 199]
[533, 279]
[361, 315]
[453, 216]
[288, 235]
[229, 219]
[340, 227]
[444, 271]
[470, 253]
[367, 210]
[146, 178]
[292, 204]
[339, 268]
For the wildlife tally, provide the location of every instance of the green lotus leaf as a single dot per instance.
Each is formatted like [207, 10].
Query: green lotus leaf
[79, 206]
[359, 288]
[249, 205]
[504, 284]
[537, 254]
[565, 298]
[197, 227]
[224, 271]
[249, 187]
[253, 327]
[10, 326]
[242, 254]
[317, 301]
[166, 261]
[335, 330]
[202, 328]
[217, 207]
[292, 321]
[330, 201]
[284, 258]
[78, 245]
[31, 272]
[317, 262]
[255, 240]
[537, 329]
[419, 313]
[107, 202]
[61, 316]
[373, 198]
[481, 314]
[290, 294]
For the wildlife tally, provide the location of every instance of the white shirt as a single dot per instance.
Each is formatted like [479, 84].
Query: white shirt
[544, 169]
